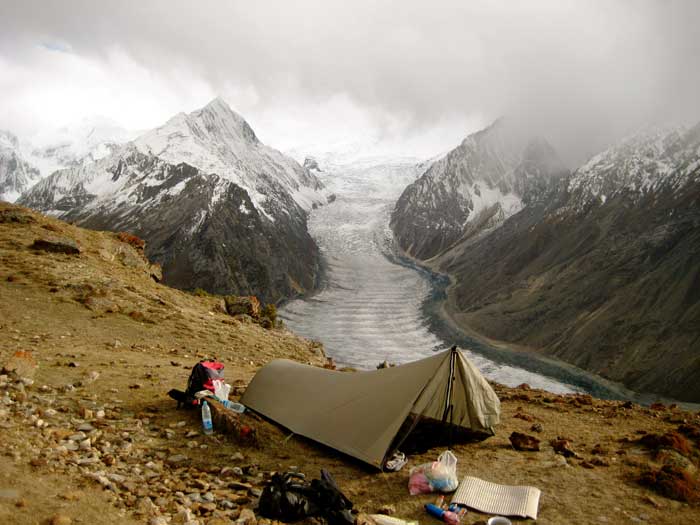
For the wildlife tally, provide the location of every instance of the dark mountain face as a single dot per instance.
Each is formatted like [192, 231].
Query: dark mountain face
[230, 249]
[603, 271]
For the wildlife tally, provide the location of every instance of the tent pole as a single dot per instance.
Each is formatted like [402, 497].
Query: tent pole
[449, 406]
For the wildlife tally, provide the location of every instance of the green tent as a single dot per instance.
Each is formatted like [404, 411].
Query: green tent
[361, 413]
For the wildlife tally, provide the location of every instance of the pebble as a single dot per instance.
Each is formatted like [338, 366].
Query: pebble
[61, 519]
[177, 458]
[247, 517]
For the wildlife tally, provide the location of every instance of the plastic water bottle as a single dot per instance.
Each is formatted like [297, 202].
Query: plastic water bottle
[206, 419]
[449, 517]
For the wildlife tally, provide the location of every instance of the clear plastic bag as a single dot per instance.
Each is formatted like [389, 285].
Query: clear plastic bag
[438, 476]
[221, 389]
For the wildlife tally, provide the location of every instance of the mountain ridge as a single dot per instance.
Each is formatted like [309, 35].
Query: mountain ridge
[201, 169]
[601, 272]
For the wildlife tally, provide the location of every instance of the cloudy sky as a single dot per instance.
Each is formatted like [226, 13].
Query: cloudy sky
[416, 75]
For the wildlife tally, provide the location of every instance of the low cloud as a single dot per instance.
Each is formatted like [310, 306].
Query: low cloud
[581, 73]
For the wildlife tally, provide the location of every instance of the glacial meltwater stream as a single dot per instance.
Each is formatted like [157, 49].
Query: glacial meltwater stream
[373, 306]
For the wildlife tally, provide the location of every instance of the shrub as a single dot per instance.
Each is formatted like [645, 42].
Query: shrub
[672, 440]
[131, 239]
[269, 312]
[672, 482]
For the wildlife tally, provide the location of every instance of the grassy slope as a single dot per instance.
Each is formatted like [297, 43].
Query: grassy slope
[149, 347]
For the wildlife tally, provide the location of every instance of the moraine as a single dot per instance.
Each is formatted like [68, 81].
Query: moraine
[371, 308]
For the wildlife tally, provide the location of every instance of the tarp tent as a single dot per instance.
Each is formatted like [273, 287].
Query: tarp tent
[361, 413]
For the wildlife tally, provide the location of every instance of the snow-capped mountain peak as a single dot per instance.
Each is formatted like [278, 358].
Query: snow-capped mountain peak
[655, 158]
[473, 189]
[16, 173]
[8, 140]
[216, 139]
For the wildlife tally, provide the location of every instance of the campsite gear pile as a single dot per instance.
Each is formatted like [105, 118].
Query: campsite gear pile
[364, 414]
[289, 497]
[203, 376]
[438, 476]
[206, 382]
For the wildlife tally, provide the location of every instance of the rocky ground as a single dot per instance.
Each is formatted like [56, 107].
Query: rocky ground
[90, 436]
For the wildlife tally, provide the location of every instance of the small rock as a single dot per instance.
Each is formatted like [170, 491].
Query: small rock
[537, 427]
[72, 495]
[651, 501]
[523, 442]
[389, 510]
[183, 517]
[60, 519]
[563, 447]
[73, 364]
[247, 517]
[176, 458]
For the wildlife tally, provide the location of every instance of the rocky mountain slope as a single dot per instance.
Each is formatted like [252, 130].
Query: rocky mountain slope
[220, 210]
[90, 436]
[605, 273]
[16, 173]
[492, 175]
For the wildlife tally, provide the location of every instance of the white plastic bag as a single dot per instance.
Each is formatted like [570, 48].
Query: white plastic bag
[440, 475]
[221, 389]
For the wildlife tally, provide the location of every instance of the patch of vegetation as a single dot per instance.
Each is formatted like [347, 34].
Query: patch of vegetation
[670, 440]
[672, 482]
[131, 239]
[268, 316]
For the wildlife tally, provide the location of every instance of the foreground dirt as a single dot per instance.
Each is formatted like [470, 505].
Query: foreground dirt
[93, 438]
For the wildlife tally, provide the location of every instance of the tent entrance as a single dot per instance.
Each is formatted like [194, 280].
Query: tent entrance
[431, 422]
[419, 434]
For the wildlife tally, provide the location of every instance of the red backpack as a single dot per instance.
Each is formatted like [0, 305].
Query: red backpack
[201, 378]
[203, 375]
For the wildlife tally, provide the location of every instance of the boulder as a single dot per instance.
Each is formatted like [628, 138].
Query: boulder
[22, 364]
[57, 245]
[247, 305]
[523, 442]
